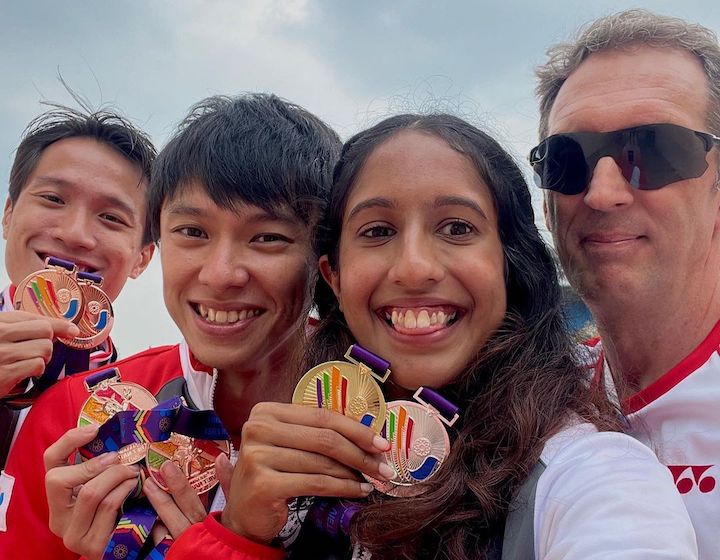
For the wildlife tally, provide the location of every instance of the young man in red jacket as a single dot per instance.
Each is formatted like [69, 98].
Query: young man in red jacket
[234, 198]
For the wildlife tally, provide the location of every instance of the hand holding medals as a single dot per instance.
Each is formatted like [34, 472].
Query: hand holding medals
[416, 432]
[59, 291]
[141, 430]
[419, 442]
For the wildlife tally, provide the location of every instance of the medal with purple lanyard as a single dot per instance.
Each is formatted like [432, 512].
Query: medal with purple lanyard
[51, 292]
[419, 442]
[109, 396]
[96, 317]
[197, 440]
[130, 427]
[349, 388]
[59, 291]
[126, 430]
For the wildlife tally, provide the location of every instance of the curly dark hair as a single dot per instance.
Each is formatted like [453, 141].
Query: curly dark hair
[516, 392]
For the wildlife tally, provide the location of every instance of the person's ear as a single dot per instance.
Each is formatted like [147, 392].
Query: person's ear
[331, 277]
[7, 214]
[143, 260]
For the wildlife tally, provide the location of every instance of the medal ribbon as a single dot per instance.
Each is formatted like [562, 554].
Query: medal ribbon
[144, 426]
[333, 516]
[448, 411]
[380, 367]
[134, 426]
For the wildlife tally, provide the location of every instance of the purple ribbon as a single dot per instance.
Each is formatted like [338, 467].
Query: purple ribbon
[94, 278]
[333, 516]
[132, 531]
[54, 261]
[104, 375]
[438, 402]
[373, 361]
[133, 426]
[199, 424]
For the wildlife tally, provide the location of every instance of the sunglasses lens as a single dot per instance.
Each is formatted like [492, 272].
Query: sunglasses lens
[655, 156]
[560, 166]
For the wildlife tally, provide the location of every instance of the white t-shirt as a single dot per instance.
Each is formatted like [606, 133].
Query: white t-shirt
[603, 495]
[678, 417]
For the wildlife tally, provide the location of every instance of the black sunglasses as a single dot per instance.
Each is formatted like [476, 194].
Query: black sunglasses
[650, 156]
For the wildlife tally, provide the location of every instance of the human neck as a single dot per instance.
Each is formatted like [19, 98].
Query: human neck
[644, 339]
[238, 390]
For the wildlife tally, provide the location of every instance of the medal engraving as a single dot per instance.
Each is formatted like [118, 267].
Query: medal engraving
[419, 445]
[51, 292]
[195, 458]
[343, 387]
[96, 319]
[110, 397]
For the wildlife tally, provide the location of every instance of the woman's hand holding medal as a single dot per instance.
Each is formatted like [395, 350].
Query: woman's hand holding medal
[291, 450]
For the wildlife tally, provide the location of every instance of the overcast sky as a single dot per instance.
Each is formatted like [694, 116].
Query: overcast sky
[349, 62]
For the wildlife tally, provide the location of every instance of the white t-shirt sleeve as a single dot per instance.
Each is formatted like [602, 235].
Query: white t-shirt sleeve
[605, 496]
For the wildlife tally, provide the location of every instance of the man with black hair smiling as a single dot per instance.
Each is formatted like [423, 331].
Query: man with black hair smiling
[77, 192]
[234, 199]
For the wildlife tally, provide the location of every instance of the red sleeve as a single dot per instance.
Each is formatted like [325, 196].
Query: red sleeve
[209, 540]
[28, 534]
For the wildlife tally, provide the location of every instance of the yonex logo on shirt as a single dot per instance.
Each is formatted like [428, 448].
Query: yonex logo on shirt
[690, 477]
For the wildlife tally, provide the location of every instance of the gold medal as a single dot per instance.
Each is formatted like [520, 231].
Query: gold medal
[347, 387]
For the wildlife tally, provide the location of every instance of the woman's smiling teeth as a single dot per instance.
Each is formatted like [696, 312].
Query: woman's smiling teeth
[419, 318]
[222, 317]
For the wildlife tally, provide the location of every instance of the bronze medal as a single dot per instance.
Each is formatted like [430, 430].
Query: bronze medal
[110, 396]
[344, 387]
[419, 442]
[52, 292]
[195, 458]
[96, 320]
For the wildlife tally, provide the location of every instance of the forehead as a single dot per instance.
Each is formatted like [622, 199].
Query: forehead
[86, 159]
[617, 89]
[195, 199]
[413, 162]
[90, 170]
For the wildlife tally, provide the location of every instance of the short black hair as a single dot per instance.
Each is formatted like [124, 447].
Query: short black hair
[105, 126]
[255, 149]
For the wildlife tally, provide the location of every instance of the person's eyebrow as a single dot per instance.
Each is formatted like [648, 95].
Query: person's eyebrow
[185, 210]
[460, 201]
[108, 200]
[377, 202]
[272, 215]
[260, 216]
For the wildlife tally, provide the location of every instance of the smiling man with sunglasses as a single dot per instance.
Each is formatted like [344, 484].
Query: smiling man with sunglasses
[629, 160]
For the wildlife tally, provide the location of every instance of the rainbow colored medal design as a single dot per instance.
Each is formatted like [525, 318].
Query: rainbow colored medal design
[51, 292]
[419, 441]
[96, 319]
[347, 387]
[108, 396]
